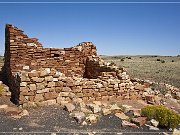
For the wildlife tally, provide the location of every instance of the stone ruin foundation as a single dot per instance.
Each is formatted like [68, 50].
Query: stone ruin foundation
[37, 75]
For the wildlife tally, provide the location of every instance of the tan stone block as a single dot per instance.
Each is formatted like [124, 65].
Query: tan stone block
[66, 89]
[80, 95]
[59, 84]
[23, 84]
[51, 84]
[58, 89]
[48, 78]
[40, 86]
[34, 74]
[37, 79]
[32, 87]
[27, 93]
[64, 94]
[24, 77]
[85, 99]
[24, 89]
[110, 93]
[102, 89]
[50, 95]
[42, 91]
[38, 98]
[105, 98]
[31, 98]
[105, 93]
[45, 72]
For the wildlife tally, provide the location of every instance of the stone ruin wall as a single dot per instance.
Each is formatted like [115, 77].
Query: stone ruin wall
[51, 75]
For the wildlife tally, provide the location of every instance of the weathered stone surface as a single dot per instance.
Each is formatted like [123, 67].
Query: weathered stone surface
[33, 74]
[45, 72]
[24, 113]
[154, 122]
[106, 111]
[51, 84]
[39, 98]
[50, 95]
[79, 116]
[69, 107]
[122, 116]
[40, 86]
[46, 90]
[139, 120]
[32, 87]
[48, 78]
[12, 110]
[66, 89]
[95, 108]
[37, 79]
[50, 102]
[115, 107]
[23, 84]
[126, 124]
[92, 118]
[3, 106]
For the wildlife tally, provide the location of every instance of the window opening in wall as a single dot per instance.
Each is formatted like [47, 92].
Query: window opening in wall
[56, 55]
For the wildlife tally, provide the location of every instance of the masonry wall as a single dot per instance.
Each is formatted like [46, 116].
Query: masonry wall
[36, 74]
[50, 86]
[24, 51]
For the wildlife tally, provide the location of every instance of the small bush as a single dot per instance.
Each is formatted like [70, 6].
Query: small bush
[122, 59]
[172, 60]
[162, 61]
[158, 59]
[165, 116]
[1, 89]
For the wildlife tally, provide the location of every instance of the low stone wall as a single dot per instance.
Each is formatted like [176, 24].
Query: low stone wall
[48, 84]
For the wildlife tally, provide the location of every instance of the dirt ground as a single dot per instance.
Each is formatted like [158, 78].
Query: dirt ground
[53, 119]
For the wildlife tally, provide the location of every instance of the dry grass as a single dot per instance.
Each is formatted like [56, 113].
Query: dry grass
[164, 69]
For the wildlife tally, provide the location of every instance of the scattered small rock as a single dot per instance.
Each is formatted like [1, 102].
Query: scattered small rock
[20, 128]
[122, 116]
[139, 120]
[106, 111]
[94, 107]
[69, 107]
[12, 111]
[128, 124]
[24, 113]
[79, 116]
[3, 106]
[92, 118]
[115, 107]
[152, 127]
[154, 122]
[84, 123]
[176, 132]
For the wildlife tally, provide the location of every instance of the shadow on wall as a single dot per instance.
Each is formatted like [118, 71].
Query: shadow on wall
[14, 86]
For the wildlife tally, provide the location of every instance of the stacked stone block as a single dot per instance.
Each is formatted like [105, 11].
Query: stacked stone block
[36, 74]
[49, 84]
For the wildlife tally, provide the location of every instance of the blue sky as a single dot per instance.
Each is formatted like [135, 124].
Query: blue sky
[115, 28]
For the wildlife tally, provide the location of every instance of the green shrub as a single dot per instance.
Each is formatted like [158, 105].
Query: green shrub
[165, 116]
[1, 89]
[172, 60]
[158, 59]
[122, 59]
[162, 61]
